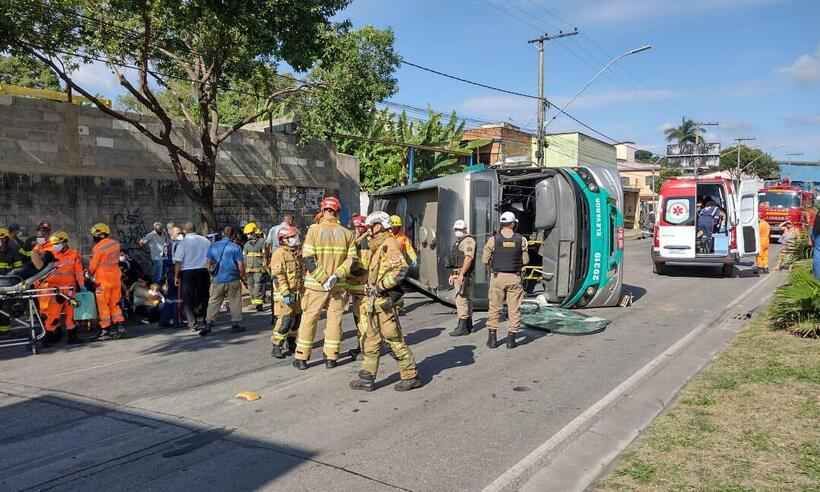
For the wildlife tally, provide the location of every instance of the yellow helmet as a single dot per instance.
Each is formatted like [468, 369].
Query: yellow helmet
[250, 228]
[58, 237]
[100, 229]
[4, 233]
[395, 221]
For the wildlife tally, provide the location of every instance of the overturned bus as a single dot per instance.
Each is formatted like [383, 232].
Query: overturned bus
[572, 218]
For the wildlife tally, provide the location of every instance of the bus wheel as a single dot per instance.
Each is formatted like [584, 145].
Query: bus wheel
[658, 268]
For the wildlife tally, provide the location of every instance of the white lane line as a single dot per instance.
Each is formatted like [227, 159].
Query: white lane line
[579, 422]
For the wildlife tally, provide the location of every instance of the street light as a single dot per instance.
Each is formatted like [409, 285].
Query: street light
[604, 69]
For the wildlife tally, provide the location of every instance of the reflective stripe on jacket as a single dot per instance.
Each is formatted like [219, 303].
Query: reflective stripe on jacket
[69, 269]
[287, 272]
[105, 262]
[387, 264]
[332, 248]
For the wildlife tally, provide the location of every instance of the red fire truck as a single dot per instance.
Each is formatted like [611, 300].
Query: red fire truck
[783, 202]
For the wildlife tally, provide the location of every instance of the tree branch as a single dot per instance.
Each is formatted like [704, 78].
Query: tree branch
[250, 119]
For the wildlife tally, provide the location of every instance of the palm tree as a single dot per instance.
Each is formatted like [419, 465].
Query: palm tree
[688, 131]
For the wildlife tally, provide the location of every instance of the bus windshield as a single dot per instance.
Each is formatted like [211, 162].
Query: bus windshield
[782, 199]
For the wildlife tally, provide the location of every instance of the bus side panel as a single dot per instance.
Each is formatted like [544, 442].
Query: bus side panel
[483, 199]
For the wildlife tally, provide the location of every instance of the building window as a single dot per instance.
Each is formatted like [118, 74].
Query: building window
[624, 181]
[650, 181]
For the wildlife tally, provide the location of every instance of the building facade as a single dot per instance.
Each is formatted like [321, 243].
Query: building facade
[639, 181]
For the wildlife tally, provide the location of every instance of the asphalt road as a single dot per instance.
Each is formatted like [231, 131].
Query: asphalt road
[157, 412]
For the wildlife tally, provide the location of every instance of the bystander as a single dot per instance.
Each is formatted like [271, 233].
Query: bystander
[191, 274]
[157, 242]
[228, 273]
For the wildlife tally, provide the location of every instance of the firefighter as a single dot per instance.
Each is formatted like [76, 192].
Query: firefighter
[328, 254]
[404, 241]
[387, 268]
[288, 280]
[10, 259]
[505, 253]
[254, 251]
[105, 270]
[356, 284]
[762, 261]
[67, 277]
[461, 261]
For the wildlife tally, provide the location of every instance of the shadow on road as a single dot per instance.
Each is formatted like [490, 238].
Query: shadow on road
[422, 335]
[63, 441]
[636, 291]
[458, 356]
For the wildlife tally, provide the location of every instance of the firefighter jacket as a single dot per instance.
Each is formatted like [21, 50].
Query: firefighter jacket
[287, 272]
[387, 266]
[254, 251]
[329, 249]
[105, 262]
[357, 280]
[10, 258]
[406, 247]
[69, 270]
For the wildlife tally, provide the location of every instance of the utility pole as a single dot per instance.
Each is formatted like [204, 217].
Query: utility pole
[737, 144]
[542, 103]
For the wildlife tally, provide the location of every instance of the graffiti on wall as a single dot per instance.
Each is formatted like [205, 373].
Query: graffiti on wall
[129, 226]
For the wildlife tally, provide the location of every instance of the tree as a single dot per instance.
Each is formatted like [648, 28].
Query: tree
[752, 161]
[644, 156]
[215, 63]
[688, 131]
[666, 173]
[27, 72]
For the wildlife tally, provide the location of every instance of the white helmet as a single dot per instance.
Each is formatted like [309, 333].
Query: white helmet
[459, 225]
[378, 218]
[508, 218]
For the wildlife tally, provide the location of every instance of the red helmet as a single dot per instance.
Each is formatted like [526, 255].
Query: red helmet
[358, 220]
[332, 203]
[286, 232]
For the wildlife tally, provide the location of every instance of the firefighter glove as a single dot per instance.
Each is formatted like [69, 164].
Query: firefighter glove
[330, 282]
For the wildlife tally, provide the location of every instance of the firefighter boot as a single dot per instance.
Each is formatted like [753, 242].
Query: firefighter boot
[470, 325]
[511, 343]
[291, 346]
[72, 337]
[408, 384]
[300, 364]
[492, 341]
[462, 329]
[330, 363]
[365, 382]
[277, 351]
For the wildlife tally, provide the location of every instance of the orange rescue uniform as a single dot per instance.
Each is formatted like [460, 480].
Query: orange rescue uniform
[105, 267]
[43, 302]
[763, 254]
[406, 247]
[66, 276]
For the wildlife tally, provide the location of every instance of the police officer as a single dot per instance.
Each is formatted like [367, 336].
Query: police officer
[461, 261]
[288, 279]
[386, 270]
[328, 254]
[505, 253]
[254, 252]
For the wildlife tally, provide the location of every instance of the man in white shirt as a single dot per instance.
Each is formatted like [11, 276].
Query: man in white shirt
[272, 240]
[191, 274]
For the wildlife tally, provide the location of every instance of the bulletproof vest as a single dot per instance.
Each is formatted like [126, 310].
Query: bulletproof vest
[456, 259]
[507, 256]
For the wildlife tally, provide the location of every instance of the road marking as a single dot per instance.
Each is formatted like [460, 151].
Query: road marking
[513, 473]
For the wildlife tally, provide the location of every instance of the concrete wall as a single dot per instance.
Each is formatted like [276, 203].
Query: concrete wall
[75, 166]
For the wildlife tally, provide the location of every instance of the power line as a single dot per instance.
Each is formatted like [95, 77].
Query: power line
[507, 91]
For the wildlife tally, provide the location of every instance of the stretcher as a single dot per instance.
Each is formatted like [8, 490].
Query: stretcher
[18, 302]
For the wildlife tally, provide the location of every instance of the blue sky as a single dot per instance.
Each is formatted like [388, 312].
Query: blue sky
[752, 65]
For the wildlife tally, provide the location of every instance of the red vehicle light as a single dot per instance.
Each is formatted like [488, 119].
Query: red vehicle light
[656, 240]
[733, 239]
[620, 238]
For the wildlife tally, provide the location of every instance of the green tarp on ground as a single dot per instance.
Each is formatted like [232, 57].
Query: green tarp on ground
[559, 320]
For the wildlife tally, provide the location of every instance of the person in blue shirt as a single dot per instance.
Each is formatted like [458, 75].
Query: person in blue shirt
[708, 221]
[227, 276]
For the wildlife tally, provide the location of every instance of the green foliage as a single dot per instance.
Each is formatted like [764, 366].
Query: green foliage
[27, 72]
[752, 161]
[796, 304]
[795, 250]
[644, 156]
[383, 160]
[666, 173]
[216, 64]
[688, 131]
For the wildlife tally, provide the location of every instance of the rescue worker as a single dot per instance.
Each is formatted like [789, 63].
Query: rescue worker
[67, 277]
[104, 268]
[461, 262]
[404, 242]
[387, 268]
[708, 220]
[10, 259]
[254, 252]
[328, 254]
[36, 246]
[356, 283]
[762, 261]
[288, 281]
[505, 254]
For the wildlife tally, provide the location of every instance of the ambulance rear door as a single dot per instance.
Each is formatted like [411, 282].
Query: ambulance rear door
[747, 227]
